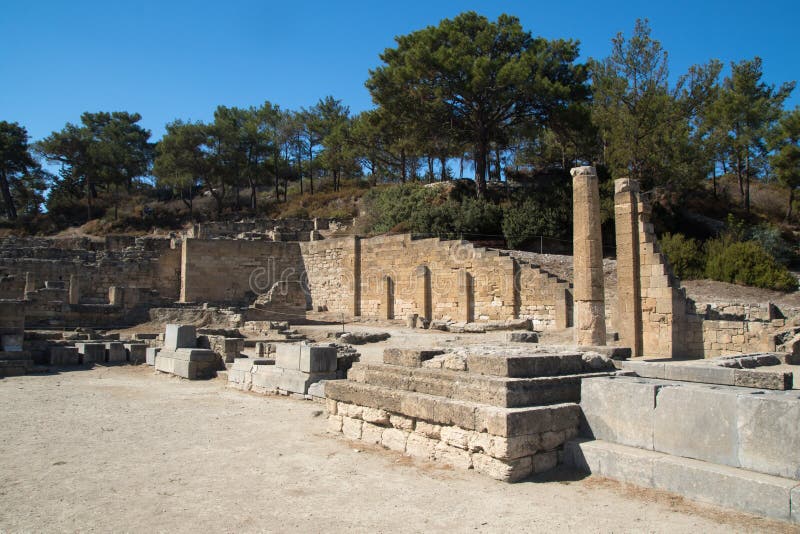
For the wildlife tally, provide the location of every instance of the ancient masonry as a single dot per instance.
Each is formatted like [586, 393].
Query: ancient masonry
[589, 291]
[505, 414]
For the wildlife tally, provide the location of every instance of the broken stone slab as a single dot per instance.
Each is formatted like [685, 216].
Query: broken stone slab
[180, 336]
[361, 338]
[751, 378]
[750, 361]
[306, 358]
[615, 353]
[408, 357]
[522, 337]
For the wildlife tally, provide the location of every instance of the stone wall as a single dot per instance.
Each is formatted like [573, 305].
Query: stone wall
[653, 314]
[235, 271]
[332, 270]
[150, 263]
[389, 277]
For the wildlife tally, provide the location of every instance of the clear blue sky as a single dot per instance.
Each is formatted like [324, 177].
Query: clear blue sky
[169, 60]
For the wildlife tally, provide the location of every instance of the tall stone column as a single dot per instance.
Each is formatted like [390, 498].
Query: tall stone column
[628, 313]
[588, 293]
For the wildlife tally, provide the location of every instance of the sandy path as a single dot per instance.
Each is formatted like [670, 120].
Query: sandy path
[122, 449]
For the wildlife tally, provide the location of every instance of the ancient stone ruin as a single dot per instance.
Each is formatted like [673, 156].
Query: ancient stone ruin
[619, 394]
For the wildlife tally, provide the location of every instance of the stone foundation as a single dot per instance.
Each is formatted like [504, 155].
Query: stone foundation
[503, 458]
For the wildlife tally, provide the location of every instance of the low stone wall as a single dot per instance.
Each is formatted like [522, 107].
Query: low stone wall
[503, 458]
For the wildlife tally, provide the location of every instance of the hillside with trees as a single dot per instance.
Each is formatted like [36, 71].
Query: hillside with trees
[474, 128]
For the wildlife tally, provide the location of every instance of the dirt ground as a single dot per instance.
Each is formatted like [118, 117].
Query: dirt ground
[123, 449]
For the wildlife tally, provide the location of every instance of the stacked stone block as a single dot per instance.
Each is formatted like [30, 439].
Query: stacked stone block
[14, 360]
[180, 355]
[504, 415]
[731, 446]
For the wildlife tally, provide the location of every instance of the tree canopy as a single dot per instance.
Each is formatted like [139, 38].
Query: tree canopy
[477, 80]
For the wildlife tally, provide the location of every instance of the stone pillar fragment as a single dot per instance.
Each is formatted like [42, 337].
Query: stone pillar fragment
[628, 316]
[466, 296]
[74, 289]
[422, 288]
[30, 282]
[588, 292]
[387, 297]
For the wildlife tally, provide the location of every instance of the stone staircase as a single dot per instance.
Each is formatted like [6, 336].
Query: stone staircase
[735, 447]
[505, 414]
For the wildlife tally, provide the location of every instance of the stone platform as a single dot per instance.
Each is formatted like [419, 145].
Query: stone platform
[505, 414]
[732, 446]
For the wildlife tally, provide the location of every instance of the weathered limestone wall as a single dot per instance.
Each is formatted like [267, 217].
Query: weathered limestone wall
[151, 264]
[590, 322]
[333, 277]
[235, 271]
[653, 315]
[390, 277]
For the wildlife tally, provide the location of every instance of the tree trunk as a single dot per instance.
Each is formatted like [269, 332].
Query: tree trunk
[791, 201]
[714, 177]
[403, 169]
[89, 189]
[443, 163]
[481, 151]
[747, 184]
[430, 169]
[11, 209]
[310, 167]
[252, 195]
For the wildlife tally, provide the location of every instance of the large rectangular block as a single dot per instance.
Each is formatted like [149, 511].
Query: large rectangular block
[136, 352]
[180, 336]
[619, 410]
[738, 489]
[697, 422]
[270, 377]
[306, 358]
[191, 355]
[150, 355]
[192, 370]
[645, 369]
[64, 356]
[91, 352]
[709, 374]
[769, 433]
[115, 352]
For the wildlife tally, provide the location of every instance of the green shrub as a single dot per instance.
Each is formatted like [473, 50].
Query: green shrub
[685, 256]
[525, 221]
[746, 263]
[423, 210]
